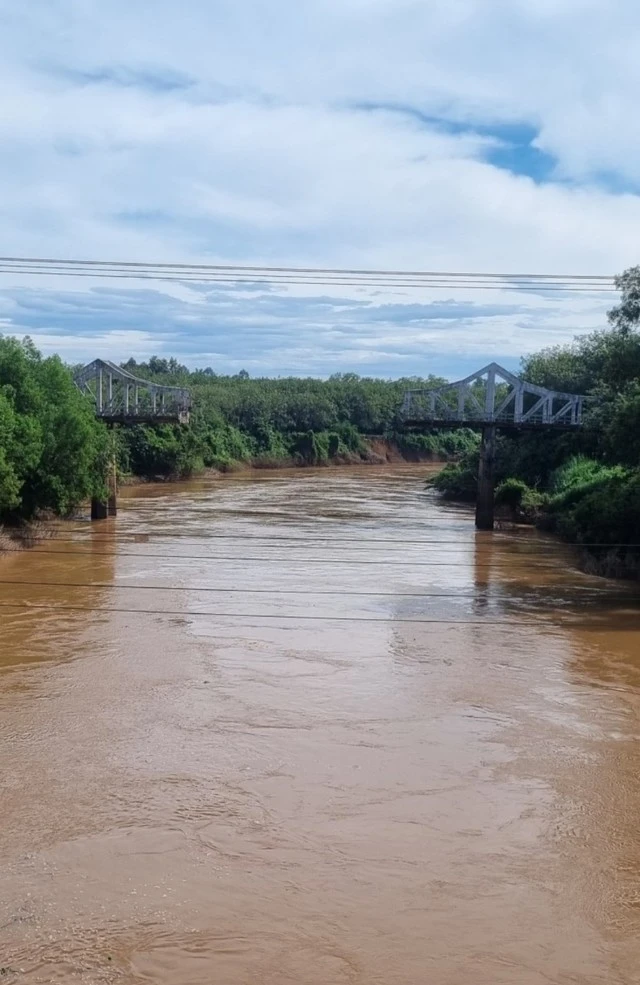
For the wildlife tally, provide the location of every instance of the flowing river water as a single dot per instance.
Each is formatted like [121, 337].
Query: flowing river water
[312, 729]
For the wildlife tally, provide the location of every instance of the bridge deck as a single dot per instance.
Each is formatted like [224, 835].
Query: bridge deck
[424, 424]
[143, 418]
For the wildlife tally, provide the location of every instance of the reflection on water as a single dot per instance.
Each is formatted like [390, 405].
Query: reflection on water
[311, 728]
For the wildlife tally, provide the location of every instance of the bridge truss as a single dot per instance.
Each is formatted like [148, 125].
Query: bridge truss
[493, 396]
[492, 399]
[122, 398]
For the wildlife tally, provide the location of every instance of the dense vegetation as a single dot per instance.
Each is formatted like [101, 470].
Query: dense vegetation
[54, 454]
[52, 450]
[585, 486]
[272, 422]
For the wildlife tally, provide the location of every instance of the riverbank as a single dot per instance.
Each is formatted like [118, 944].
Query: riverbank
[374, 451]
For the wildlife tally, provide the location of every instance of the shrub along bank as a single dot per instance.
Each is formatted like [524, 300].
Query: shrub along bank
[278, 422]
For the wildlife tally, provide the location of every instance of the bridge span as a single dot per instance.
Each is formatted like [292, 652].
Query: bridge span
[489, 399]
[120, 398]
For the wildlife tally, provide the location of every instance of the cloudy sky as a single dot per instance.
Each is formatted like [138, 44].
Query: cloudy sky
[492, 135]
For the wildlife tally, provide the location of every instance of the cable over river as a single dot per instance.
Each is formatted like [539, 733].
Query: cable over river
[312, 729]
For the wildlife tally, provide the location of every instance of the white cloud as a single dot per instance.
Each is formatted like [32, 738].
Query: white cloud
[247, 133]
[276, 334]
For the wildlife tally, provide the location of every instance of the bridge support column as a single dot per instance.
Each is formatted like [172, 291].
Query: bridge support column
[112, 502]
[485, 502]
[99, 509]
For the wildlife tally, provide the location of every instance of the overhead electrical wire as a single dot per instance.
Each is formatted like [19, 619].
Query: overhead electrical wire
[274, 274]
[279, 539]
[541, 548]
[340, 271]
[482, 595]
[89, 536]
[282, 616]
[340, 561]
[255, 282]
[271, 560]
[284, 276]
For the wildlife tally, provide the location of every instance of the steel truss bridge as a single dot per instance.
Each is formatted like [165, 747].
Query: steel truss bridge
[493, 396]
[492, 399]
[122, 398]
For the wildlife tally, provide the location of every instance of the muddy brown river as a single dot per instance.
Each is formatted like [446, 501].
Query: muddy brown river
[312, 729]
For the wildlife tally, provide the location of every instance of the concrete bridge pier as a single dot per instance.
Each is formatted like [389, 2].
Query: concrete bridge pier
[103, 508]
[99, 509]
[112, 501]
[485, 501]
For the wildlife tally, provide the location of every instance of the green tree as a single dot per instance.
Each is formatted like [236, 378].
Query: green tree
[52, 448]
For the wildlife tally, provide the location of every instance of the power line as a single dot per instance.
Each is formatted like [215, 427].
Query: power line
[341, 271]
[483, 595]
[504, 548]
[255, 282]
[489, 541]
[356, 281]
[270, 560]
[487, 595]
[286, 617]
[472, 562]
[268, 276]
[307, 276]
[286, 538]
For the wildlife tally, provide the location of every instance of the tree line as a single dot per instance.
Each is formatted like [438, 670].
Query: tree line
[276, 422]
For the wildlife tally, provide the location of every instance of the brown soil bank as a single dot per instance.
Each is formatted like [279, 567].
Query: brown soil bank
[381, 450]
[376, 451]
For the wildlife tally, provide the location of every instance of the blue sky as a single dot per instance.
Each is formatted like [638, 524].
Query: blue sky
[461, 135]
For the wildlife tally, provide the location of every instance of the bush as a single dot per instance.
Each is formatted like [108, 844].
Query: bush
[605, 513]
[577, 478]
[458, 480]
[577, 471]
[437, 444]
[523, 501]
[52, 450]
[511, 493]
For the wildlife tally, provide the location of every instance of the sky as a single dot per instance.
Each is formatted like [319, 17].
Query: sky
[465, 135]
